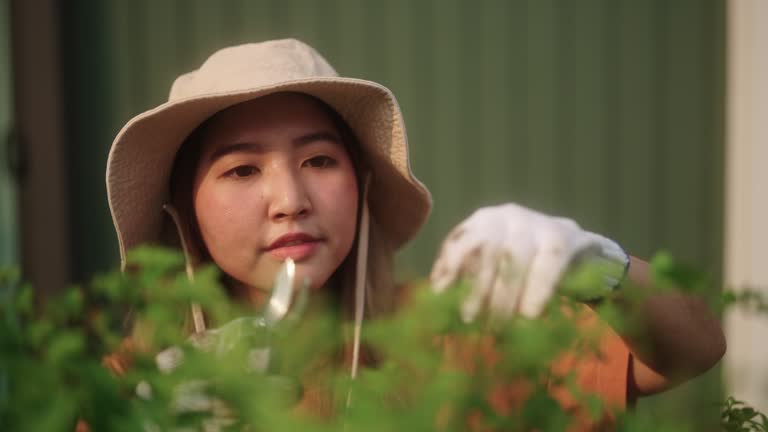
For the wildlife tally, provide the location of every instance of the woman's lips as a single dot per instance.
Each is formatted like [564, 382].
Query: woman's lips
[297, 246]
[298, 252]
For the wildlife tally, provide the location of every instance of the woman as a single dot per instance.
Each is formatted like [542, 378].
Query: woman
[265, 153]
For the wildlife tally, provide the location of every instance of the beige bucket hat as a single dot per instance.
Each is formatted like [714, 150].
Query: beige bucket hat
[141, 158]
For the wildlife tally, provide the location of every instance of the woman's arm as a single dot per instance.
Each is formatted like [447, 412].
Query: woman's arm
[673, 335]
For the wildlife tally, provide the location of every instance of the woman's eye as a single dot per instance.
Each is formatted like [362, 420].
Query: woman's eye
[321, 162]
[243, 171]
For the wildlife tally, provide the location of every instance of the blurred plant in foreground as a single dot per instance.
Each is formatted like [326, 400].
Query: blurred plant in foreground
[739, 417]
[428, 369]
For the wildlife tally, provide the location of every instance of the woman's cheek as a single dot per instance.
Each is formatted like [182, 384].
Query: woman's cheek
[348, 180]
[345, 202]
[344, 192]
[218, 208]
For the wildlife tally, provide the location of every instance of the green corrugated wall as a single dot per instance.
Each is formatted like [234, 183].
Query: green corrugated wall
[608, 111]
[8, 205]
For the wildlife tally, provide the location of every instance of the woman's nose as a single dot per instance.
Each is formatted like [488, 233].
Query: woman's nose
[289, 198]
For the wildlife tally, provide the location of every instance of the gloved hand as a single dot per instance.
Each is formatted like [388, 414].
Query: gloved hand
[515, 257]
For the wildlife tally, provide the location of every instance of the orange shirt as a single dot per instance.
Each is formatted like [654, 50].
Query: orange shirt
[602, 372]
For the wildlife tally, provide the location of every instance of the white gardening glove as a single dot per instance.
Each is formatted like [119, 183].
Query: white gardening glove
[515, 258]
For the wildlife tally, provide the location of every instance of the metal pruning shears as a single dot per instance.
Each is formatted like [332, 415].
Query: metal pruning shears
[282, 310]
[282, 294]
[254, 333]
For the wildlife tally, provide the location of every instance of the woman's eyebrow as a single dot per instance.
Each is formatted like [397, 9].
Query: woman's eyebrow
[255, 147]
[316, 136]
[241, 147]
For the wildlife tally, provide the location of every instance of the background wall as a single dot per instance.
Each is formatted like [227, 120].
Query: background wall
[608, 111]
[8, 226]
[747, 201]
[38, 173]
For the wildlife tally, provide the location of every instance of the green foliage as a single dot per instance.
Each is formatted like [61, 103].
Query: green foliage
[670, 274]
[739, 417]
[425, 368]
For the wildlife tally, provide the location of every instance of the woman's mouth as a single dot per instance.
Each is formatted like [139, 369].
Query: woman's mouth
[297, 246]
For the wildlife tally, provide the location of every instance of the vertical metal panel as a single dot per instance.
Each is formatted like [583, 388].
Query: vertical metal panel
[500, 102]
[680, 114]
[448, 114]
[419, 107]
[541, 105]
[8, 206]
[43, 203]
[632, 124]
[89, 77]
[580, 116]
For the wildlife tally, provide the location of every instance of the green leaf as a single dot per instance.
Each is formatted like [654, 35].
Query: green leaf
[65, 346]
[669, 274]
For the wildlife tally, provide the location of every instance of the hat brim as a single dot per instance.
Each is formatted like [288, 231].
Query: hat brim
[142, 156]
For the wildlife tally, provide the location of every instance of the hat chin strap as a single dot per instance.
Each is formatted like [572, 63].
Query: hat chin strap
[361, 282]
[361, 277]
[198, 321]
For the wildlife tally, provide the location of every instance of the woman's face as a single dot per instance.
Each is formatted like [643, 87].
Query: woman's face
[275, 181]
